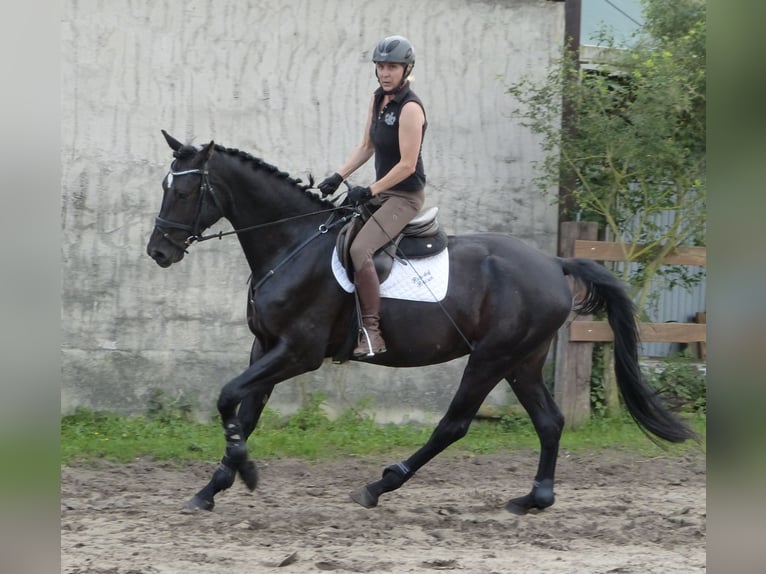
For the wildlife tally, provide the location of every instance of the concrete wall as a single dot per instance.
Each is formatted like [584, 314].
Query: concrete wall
[288, 81]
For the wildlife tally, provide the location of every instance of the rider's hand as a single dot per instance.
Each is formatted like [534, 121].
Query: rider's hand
[358, 194]
[330, 184]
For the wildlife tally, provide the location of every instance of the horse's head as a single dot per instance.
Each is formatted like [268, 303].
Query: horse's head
[189, 205]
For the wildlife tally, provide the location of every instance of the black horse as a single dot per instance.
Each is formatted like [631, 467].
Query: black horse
[504, 304]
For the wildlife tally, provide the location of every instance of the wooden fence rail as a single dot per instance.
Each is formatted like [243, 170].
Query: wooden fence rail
[574, 344]
[608, 251]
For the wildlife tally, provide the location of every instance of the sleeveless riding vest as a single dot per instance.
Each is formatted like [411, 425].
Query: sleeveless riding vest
[384, 133]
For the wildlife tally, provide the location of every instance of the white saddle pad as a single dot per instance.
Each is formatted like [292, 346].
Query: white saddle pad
[424, 279]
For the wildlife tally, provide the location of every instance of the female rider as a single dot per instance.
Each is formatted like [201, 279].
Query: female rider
[396, 124]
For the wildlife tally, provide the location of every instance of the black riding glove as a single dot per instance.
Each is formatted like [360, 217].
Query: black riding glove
[358, 194]
[330, 184]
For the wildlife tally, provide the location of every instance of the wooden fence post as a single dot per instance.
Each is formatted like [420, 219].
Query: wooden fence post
[701, 317]
[573, 359]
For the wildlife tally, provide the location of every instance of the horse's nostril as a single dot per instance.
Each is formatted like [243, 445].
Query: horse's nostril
[159, 257]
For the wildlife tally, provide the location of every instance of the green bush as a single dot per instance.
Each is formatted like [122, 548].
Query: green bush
[682, 384]
[678, 379]
[162, 408]
[311, 415]
[597, 392]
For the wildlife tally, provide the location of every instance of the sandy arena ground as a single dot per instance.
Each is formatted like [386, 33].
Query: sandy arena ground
[614, 513]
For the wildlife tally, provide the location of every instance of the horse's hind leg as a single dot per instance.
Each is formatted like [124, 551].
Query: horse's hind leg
[477, 382]
[527, 383]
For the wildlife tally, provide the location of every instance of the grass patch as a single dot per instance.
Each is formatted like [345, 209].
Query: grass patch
[166, 433]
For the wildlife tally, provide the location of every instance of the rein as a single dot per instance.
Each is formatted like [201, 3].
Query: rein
[324, 228]
[221, 234]
[321, 230]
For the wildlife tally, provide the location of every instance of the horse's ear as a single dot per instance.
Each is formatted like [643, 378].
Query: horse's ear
[208, 150]
[174, 144]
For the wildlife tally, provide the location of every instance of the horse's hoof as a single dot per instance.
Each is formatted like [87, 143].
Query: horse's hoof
[518, 506]
[197, 503]
[249, 475]
[529, 503]
[364, 498]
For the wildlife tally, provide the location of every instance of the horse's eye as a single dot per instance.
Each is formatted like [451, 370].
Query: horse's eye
[181, 193]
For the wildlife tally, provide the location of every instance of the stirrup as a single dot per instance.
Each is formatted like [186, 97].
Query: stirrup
[370, 352]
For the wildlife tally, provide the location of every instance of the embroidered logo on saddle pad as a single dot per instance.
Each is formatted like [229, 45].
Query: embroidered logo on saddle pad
[424, 279]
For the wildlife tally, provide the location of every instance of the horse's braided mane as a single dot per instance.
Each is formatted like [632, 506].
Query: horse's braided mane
[188, 151]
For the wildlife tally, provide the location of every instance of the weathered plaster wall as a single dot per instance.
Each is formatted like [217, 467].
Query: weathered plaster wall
[288, 81]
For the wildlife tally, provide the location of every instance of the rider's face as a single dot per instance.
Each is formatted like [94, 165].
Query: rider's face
[389, 74]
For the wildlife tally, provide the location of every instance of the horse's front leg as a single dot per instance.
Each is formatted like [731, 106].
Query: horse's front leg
[240, 404]
[249, 412]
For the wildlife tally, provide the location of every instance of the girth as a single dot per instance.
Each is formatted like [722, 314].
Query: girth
[421, 237]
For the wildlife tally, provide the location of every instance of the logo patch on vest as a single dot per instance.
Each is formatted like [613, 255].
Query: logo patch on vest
[390, 118]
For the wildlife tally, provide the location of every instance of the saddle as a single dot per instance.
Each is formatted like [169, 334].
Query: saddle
[421, 237]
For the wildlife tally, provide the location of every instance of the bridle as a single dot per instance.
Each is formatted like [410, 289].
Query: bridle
[194, 230]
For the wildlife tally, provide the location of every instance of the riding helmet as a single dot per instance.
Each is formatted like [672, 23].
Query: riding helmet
[396, 49]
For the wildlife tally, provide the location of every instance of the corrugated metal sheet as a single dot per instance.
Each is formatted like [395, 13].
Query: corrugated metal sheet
[679, 305]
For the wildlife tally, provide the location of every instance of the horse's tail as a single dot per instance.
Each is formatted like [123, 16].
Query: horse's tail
[604, 292]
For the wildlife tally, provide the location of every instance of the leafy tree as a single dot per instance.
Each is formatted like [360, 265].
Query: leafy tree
[630, 153]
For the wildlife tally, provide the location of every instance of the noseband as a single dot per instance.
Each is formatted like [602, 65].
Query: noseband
[194, 230]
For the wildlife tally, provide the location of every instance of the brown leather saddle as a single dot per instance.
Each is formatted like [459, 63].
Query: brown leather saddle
[421, 237]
